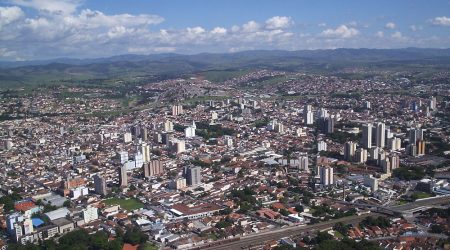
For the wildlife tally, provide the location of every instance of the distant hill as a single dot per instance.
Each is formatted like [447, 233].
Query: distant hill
[126, 66]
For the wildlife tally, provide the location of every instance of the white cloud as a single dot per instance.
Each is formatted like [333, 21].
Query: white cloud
[390, 25]
[340, 32]
[53, 6]
[397, 35]
[219, 31]
[379, 34]
[322, 25]
[9, 15]
[278, 22]
[416, 27]
[250, 27]
[441, 21]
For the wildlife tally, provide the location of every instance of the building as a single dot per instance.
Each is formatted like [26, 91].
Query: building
[371, 182]
[380, 135]
[168, 126]
[367, 136]
[178, 183]
[153, 168]
[279, 128]
[420, 147]
[90, 214]
[178, 146]
[193, 175]
[321, 146]
[145, 152]
[303, 163]
[326, 175]
[308, 117]
[331, 121]
[349, 151]
[100, 185]
[123, 176]
[189, 132]
[361, 155]
[177, 110]
[127, 137]
[122, 156]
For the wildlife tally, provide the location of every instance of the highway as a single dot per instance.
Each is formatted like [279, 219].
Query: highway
[260, 238]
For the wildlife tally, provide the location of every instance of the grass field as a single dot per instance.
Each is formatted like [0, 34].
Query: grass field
[128, 204]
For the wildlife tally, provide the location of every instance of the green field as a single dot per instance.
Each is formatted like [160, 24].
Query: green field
[127, 204]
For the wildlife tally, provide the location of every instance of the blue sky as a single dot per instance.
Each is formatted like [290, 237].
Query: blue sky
[42, 29]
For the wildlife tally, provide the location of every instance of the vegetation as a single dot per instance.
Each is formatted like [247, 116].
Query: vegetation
[380, 221]
[212, 131]
[8, 201]
[127, 204]
[409, 173]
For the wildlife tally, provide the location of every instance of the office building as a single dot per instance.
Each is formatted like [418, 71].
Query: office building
[326, 175]
[380, 135]
[100, 185]
[193, 175]
[123, 176]
[349, 151]
[367, 136]
[371, 182]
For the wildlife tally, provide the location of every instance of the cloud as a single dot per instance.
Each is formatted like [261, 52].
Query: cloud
[390, 25]
[340, 32]
[415, 28]
[441, 21]
[52, 6]
[397, 35]
[9, 15]
[219, 31]
[250, 27]
[379, 34]
[278, 22]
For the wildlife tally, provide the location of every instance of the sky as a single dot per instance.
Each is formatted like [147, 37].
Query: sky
[45, 29]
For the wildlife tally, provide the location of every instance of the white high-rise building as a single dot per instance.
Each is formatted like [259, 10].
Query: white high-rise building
[304, 163]
[189, 132]
[90, 214]
[127, 137]
[326, 175]
[321, 146]
[308, 117]
[361, 155]
[177, 110]
[380, 139]
[367, 136]
[279, 128]
[123, 156]
[145, 151]
[168, 126]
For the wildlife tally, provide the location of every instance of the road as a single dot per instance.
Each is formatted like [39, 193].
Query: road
[260, 238]
[424, 202]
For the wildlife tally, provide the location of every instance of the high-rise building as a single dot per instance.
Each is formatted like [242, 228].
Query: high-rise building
[189, 132]
[420, 147]
[122, 156]
[153, 168]
[178, 146]
[145, 151]
[394, 143]
[100, 185]
[331, 121]
[367, 105]
[90, 214]
[279, 128]
[349, 151]
[395, 161]
[367, 136]
[123, 176]
[321, 146]
[177, 184]
[168, 126]
[308, 117]
[193, 175]
[371, 182]
[144, 133]
[380, 136]
[361, 155]
[177, 110]
[411, 149]
[127, 137]
[304, 163]
[432, 103]
[326, 175]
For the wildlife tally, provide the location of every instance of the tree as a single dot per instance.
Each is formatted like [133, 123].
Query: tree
[299, 208]
[135, 236]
